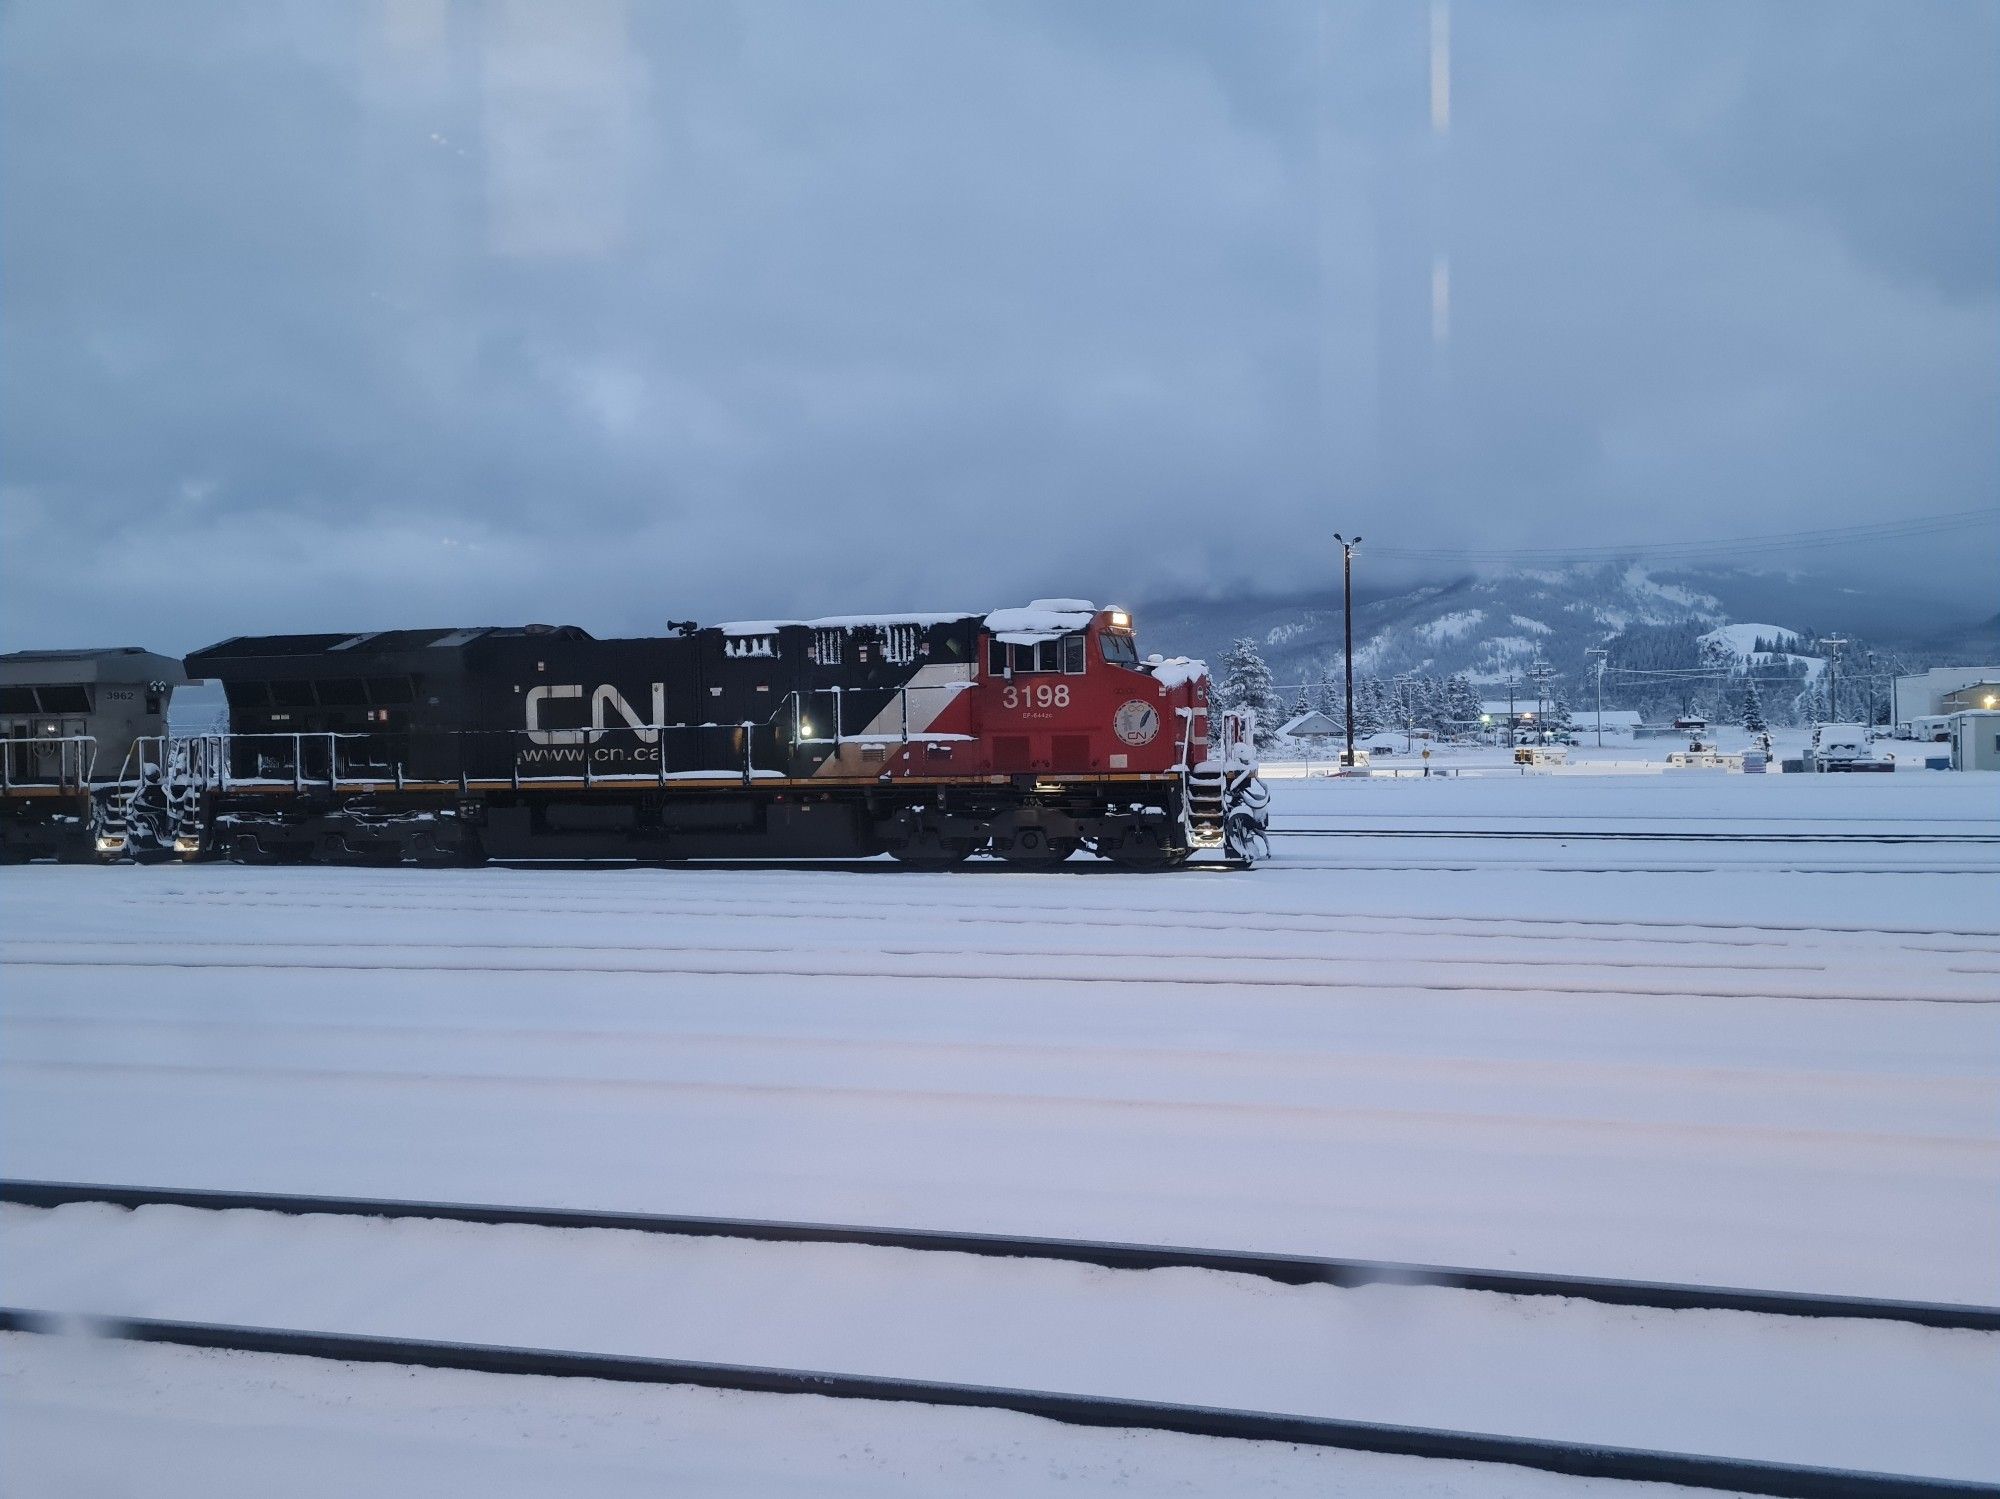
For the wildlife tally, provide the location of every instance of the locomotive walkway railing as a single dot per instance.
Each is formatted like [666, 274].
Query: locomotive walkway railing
[334, 761]
[24, 762]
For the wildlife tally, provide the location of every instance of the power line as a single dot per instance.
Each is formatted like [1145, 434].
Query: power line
[1912, 526]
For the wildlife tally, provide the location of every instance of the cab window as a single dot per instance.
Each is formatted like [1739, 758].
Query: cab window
[1073, 655]
[1119, 650]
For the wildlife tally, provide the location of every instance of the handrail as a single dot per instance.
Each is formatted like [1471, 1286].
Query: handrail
[207, 759]
[84, 760]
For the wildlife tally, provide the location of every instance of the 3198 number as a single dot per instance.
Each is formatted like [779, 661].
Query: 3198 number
[1035, 695]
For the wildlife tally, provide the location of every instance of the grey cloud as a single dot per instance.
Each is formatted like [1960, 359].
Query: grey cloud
[317, 316]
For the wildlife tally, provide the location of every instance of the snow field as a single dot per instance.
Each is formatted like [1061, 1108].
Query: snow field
[1735, 1076]
[1872, 1395]
[179, 1423]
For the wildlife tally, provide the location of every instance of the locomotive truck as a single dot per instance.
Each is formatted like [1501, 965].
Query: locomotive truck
[1024, 733]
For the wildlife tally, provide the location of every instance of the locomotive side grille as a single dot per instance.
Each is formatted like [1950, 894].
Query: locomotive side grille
[1010, 752]
[1070, 752]
[899, 644]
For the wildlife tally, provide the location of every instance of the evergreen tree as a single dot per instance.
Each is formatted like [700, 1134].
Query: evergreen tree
[1246, 683]
[1303, 704]
[1331, 698]
[1810, 706]
[1367, 706]
[1559, 715]
[1380, 706]
[1430, 705]
[1462, 704]
[1753, 708]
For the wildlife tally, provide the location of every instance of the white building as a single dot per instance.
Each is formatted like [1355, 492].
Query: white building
[1621, 721]
[1494, 714]
[1942, 690]
[1975, 740]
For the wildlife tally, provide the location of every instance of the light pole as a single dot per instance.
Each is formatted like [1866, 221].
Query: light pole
[1601, 654]
[1347, 611]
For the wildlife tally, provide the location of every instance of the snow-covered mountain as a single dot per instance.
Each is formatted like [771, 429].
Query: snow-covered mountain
[1744, 648]
[1495, 626]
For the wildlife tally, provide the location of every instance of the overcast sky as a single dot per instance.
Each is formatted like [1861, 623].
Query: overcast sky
[425, 311]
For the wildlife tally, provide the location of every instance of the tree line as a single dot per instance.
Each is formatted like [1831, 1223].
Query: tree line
[1663, 672]
[1442, 707]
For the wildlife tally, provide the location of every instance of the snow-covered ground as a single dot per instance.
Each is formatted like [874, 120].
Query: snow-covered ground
[1766, 1063]
[1394, 755]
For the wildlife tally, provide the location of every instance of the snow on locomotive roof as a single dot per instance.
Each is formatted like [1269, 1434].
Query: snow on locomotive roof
[1042, 619]
[844, 622]
[1176, 671]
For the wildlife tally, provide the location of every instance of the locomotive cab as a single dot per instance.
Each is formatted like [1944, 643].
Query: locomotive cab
[1067, 694]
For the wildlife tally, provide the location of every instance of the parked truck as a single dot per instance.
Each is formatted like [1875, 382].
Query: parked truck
[1845, 746]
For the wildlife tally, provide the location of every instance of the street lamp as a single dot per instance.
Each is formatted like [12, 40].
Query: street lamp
[1347, 609]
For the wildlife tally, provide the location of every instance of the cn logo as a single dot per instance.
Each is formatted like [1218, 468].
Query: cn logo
[603, 699]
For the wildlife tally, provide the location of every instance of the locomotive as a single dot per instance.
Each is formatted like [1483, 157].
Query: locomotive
[1028, 733]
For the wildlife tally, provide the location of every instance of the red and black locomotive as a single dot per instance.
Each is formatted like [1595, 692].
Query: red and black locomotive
[1025, 733]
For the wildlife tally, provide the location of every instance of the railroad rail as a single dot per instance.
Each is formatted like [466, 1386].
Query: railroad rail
[1631, 1464]
[1557, 835]
[1287, 1269]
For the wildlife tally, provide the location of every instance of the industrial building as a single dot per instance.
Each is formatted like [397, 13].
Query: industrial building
[1939, 692]
[1975, 740]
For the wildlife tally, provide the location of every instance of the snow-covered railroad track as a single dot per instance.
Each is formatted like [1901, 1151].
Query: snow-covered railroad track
[1553, 1362]
[1734, 1475]
[1284, 1269]
[1593, 865]
[904, 949]
[1633, 836]
[489, 897]
[1308, 973]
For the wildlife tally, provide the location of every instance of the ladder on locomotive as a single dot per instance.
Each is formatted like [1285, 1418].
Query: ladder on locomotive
[159, 802]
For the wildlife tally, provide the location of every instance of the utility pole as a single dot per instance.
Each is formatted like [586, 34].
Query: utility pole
[1510, 711]
[1602, 655]
[1347, 611]
[1540, 672]
[1833, 645]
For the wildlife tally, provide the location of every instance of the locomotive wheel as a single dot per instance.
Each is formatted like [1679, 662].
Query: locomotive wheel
[926, 848]
[1030, 844]
[911, 838]
[1141, 841]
